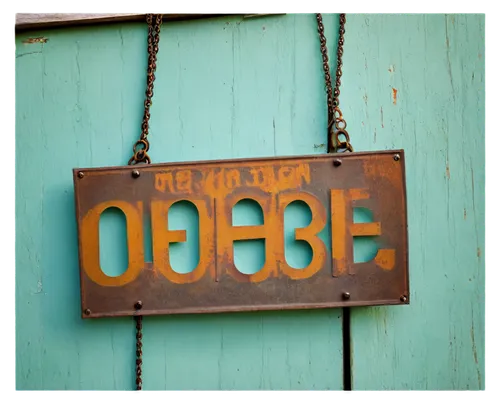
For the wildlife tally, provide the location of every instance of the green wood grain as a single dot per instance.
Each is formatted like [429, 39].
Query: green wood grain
[225, 88]
[436, 64]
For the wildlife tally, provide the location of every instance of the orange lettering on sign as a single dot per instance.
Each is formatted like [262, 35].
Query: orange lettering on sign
[218, 234]
[162, 237]
[260, 177]
[227, 234]
[233, 179]
[90, 243]
[220, 181]
[307, 234]
[183, 181]
[164, 182]
[343, 231]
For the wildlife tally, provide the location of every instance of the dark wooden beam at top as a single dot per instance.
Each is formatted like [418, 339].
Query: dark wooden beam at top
[42, 21]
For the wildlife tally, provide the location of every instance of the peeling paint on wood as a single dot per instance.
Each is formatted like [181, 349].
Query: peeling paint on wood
[35, 40]
[429, 345]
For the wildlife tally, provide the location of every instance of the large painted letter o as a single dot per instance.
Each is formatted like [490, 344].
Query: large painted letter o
[89, 243]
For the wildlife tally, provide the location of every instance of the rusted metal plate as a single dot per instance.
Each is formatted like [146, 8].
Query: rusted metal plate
[331, 185]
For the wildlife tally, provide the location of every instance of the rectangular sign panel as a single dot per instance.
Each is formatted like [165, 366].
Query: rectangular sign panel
[331, 185]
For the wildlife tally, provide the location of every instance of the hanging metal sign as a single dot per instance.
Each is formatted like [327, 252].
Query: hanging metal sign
[331, 185]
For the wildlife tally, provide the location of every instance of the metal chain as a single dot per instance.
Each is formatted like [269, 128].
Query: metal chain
[336, 123]
[141, 147]
[138, 352]
[140, 150]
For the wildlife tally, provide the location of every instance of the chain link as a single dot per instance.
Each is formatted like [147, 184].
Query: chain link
[140, 150]
[138, 352]
[141, 147]
[336, 123]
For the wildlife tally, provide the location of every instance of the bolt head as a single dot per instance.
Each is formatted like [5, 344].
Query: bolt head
[135, 173]
[337, 163]
[87, 311]
[81, 174]
[397, 157]
[403, 298]
[138, 305]
[346, 295]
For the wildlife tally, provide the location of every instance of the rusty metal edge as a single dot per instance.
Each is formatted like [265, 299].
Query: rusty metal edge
[406, 239]
[237, 309]
[242, 160]
[81, 273]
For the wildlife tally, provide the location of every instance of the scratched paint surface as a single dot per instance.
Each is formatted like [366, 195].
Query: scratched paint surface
[248, 88]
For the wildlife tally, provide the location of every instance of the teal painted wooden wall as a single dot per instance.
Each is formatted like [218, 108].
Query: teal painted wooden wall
[230, 87]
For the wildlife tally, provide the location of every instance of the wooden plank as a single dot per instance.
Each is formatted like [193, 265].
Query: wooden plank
[422, 89]
[42, 21]
[236, 85]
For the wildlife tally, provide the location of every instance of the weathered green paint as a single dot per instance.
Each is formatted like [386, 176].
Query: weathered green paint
[230, 87]
[436, 64]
